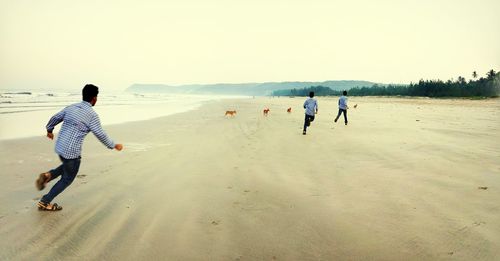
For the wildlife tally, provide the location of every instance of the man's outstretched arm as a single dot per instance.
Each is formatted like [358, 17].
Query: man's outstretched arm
[95, 127]
[56, 119]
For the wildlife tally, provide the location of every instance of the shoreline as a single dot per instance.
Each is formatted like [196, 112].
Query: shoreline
[23, 124]
[104, 125]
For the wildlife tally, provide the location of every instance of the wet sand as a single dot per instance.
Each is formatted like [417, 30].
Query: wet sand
[407, 179]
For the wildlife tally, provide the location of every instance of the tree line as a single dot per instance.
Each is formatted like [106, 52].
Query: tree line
[488, 86]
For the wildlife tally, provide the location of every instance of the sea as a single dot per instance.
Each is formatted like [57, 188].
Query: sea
[26, 113]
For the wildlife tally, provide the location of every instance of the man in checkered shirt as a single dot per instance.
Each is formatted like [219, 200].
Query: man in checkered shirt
[78, 120]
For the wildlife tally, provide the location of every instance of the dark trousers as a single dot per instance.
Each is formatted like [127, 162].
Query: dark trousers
[307, 121]
[67, 170]
[345, 115]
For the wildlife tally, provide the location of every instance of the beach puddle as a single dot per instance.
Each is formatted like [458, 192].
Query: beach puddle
[136, 147]
[141, 147]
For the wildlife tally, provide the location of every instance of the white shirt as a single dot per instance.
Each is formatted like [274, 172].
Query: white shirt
[311, 106]
[343, 102]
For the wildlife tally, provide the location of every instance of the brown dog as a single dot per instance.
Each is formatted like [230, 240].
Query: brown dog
[230, 113]
[289, 110]
[355, 106]
[266, 111]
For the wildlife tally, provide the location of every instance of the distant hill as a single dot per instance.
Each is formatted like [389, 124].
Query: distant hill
[252, 89]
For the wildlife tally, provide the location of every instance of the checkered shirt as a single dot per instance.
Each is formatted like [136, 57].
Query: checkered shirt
[78, 120]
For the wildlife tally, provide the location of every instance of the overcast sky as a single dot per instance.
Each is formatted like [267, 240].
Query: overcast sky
[65, 44]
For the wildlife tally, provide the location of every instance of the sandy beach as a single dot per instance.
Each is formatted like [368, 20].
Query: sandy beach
[407, 179]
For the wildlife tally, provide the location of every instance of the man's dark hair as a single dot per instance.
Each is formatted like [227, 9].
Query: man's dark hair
[311, 94]
[89, 92]
[344, 92]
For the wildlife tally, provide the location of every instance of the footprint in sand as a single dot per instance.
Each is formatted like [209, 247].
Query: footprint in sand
[229, 187]
[483, 188]
[215, 223]
[246, 191]
[81, 176]
[37, 198]
[478, 223]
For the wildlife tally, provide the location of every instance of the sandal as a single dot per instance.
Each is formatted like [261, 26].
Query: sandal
[42, 180]
[48, 207]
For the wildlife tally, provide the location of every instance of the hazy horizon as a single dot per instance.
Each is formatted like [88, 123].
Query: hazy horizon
[114, 44]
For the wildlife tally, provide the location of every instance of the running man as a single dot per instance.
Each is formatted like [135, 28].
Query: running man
[78, 120]
[311, 106]
[343, 107]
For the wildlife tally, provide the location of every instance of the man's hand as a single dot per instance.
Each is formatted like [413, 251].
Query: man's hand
[118, 147]
[50, 135]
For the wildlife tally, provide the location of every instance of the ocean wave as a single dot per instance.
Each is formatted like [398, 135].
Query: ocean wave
[21, 111]
[18, 93]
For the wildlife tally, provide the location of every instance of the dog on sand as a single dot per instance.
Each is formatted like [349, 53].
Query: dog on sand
[266, 111]
[230, 113]
[289, 110]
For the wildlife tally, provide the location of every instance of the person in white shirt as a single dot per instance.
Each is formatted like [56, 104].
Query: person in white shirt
[343, 107]
[311, 106]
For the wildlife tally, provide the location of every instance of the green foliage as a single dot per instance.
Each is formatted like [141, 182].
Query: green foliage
[318, 91]
[483, 87]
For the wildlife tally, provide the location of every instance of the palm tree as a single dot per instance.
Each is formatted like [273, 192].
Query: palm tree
[461, 80]
[474, 74]
[491, 74]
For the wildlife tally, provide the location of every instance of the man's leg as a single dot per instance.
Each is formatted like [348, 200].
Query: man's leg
[345, 116]
[306, 123]
[69, 171]
[46, 177]
[55, 173]
[338, 115]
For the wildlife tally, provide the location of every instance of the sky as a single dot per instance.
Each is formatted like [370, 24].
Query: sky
[64, 44]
